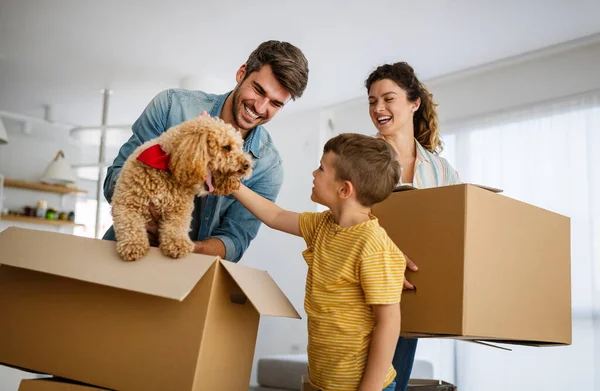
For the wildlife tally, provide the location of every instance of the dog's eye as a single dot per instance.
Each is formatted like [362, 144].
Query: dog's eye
[227, 148]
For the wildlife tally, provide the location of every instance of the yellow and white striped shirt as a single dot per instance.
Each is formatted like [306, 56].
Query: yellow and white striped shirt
[349, 270]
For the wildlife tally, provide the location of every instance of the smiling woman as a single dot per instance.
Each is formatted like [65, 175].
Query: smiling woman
[403, 111]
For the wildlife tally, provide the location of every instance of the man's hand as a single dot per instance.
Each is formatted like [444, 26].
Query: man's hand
[152, 228]
[412, 266]
[210, 246]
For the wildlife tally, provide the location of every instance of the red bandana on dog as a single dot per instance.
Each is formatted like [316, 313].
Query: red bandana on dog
[155, 157]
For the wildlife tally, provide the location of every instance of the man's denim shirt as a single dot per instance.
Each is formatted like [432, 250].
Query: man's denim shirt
[223, 217]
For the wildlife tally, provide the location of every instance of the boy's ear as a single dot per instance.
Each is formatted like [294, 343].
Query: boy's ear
[346, 190]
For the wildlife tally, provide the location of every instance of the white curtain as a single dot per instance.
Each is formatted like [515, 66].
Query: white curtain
[546, 155]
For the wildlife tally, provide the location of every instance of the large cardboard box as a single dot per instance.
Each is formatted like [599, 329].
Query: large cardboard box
[54, 385]
[72, 308]
[491, 268]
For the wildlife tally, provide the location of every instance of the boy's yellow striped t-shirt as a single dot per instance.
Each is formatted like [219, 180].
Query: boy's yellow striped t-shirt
[349, 270]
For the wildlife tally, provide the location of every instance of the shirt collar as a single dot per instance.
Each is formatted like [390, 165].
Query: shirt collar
[423, 155]
[252, 141]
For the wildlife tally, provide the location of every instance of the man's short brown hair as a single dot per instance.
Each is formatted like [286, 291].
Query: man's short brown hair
[369, 163]
[288, 63]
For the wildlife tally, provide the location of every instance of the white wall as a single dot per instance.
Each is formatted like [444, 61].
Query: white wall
[26, 157]
[544, 76]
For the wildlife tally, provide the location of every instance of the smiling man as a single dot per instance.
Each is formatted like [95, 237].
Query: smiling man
[275, 73]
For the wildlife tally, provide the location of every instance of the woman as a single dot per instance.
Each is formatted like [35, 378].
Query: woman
[405, 116]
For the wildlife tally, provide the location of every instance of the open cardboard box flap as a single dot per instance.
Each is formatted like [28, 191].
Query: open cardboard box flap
[262, 291]
[96, 261]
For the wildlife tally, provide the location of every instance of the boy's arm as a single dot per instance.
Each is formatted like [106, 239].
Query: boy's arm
[268, 212]
[383, 344]
[237, 227]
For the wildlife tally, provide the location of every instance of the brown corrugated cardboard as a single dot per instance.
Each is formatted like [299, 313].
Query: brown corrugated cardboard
[429, 385]
[54, 385]
[491, 268]
[71, 307]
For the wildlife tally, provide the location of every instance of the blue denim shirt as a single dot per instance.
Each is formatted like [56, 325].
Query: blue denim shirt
[223, 218]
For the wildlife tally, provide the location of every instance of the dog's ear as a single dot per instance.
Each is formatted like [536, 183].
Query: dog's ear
[189, 159]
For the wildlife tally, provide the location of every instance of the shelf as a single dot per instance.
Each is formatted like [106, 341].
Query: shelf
[60, 189]
[38, 220]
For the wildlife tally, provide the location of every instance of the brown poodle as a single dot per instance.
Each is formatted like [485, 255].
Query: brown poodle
[193, 158]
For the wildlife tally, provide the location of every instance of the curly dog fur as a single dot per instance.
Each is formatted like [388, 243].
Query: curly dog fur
[194, 147]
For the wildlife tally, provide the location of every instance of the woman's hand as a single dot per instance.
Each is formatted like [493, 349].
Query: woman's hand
[412, 266]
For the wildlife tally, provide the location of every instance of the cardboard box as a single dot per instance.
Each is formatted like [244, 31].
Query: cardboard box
[429, 385]
[491, 268]
[72, 308]
[54, 385]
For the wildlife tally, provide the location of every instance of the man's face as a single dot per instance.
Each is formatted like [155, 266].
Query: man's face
[257, 98]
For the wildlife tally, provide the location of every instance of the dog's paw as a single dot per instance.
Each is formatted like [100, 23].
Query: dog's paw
[176, 247]
[132, 251]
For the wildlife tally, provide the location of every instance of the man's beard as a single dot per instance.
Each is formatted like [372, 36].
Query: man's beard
[236, 113]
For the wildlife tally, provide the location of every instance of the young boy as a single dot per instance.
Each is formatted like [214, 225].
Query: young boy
[355, 272]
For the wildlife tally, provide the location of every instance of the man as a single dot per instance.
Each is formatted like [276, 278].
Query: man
[273, 74]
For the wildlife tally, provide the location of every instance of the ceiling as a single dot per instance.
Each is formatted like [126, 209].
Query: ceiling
[61, 53]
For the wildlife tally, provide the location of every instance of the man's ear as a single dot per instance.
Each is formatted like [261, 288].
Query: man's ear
[240, 74]
[346, 190]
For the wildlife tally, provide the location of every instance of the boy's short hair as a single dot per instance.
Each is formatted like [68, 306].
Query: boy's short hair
[369, 163]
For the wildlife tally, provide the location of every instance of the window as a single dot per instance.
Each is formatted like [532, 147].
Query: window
[544, 155]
